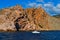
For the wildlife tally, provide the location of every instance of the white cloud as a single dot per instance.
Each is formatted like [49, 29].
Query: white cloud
[57, 10]
[51, 8]
[40, 1]
[58, 6]
[39, 5]
[32, 4]
[48, 5]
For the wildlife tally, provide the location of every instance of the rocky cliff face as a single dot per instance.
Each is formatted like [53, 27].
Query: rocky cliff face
[17, 18]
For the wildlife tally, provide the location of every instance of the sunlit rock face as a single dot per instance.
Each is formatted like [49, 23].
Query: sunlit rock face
[41, 18]
[6, 24]
[25, 19]
[37, 18]
[7, 18]
[33, 19]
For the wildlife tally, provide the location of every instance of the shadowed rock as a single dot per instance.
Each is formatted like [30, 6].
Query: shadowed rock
[17, 26]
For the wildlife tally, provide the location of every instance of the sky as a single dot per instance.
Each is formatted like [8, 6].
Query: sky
[52, 7]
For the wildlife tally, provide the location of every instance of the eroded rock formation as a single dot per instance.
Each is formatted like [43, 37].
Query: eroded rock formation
[24, 19]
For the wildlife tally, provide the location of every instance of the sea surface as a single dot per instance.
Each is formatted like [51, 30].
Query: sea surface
[43, 35]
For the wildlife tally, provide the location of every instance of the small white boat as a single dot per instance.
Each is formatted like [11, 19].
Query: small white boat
[35, 32]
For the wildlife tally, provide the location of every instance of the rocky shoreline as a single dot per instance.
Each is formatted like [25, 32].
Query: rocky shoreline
[16, 19]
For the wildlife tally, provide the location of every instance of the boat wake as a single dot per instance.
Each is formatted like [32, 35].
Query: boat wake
[35, 32]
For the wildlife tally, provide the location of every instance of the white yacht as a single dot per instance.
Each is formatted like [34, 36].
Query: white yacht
[35, 32]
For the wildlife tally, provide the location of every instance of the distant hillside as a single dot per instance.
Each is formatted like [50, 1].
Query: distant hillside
[58, 16]
[54, 23]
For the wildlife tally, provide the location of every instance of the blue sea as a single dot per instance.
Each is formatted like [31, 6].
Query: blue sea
[43, 35]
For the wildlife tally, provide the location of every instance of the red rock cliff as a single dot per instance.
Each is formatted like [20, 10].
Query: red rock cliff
[27, 19]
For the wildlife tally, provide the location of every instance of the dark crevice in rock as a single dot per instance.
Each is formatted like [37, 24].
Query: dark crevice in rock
[17, 26]
[41, 26]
